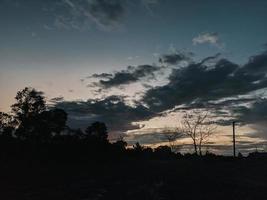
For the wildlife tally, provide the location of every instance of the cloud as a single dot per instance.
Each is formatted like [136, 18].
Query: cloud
[149, 4]
[102, 75]
[210, 59]
[221, 106]
[175, 58]
[130, 75]
[57, 99]
[208, 38]
[81, 14]
[256, 112]
[208, 82]
[146, 138]
[212, 83]
[254, 115]
[188, 83]
[153, 135]
[112, 110]
[256, 66]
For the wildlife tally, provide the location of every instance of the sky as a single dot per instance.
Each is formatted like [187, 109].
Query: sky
[139, 64]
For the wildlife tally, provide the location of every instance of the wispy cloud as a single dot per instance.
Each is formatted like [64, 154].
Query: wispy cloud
[81, 15]
[149, 4]
[56, 99]
[208, 38]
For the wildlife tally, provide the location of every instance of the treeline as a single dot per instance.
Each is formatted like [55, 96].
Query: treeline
[34, 130]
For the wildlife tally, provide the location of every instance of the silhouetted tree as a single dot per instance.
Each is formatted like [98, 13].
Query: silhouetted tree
[55, 120]
[163, 150]
[30, 103]
[199, 127]
[48, 123]
[33, 119]
[121, 144]
[97, 130]
[138, 147]
[6, 124]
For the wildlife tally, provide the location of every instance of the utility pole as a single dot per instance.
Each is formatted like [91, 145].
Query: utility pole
[234, 139]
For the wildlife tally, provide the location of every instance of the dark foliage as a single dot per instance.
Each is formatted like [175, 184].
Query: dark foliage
[97, 130]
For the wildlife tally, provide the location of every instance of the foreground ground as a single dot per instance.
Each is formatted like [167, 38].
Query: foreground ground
[135, 179]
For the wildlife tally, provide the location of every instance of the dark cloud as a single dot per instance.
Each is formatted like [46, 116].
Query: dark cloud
[257, 112]
[202, 82]
[57, 99]
[223, 108]
[124, 77]
[220, 107]
[102, 75]
[225, 103]
[256, 67]
[145, 85]
[189, 83]
[175, 58]
[112, 110]
[210, 59]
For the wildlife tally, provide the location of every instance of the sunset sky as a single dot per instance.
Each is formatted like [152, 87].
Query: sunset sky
[138, 65]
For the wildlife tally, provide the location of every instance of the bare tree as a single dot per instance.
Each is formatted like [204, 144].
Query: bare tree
[172, 136]
[199, 127]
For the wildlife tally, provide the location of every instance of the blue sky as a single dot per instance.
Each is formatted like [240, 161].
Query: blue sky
[30, 30]
[54, 45]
